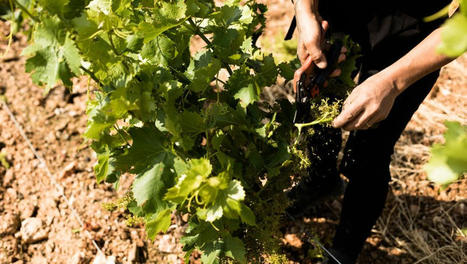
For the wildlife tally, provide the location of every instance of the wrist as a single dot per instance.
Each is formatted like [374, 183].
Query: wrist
[310, 7]
[393, 84]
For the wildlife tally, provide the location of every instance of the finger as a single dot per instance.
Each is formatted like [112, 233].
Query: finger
[375, 119]
[317, 55]
[335, 73]
[314, 47]
[341, 58]
[306, 66]
[325, 26]
[344, 49]
[347, 116]
[298, 73]
[352, 125]
[370, 122]
[302, 53]
[363, 123]
[347, 102]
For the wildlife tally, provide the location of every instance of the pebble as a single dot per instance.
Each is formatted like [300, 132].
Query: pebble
[32, 230]
[167, 244]
[11, 195]
[8, 248]
[73, 113]
[132, 253]
[67, 170]
[172, 259]
[9, 224]
[38, 259]
[102, 259]
[27, 206]
[78, 258]
[49, 247]
[293, 240]
[8, 178]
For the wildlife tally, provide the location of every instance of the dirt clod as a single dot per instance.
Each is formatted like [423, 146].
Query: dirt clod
[32, 230]
[9, 223]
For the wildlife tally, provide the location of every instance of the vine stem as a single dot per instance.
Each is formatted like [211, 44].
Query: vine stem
[93, 76]
[112, 45]
[208, 42]
[34, 18]
[312, 123]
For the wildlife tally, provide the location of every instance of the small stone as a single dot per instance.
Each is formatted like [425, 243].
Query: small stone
[48, 209]
[32, 231]
[61, 126]
[293, 240]
[11, 195]
[125, 235]
[172, 259]
[78, 258]
[102, 259]
[27, 207]
[67, 170]
[4, 257]
[167, 244]
[132, 253]
[9, 224]
[8, 248]
[49, 247]
[49, 220]
[73, 113]
[137, 238]
[8, 178]
[38, 259]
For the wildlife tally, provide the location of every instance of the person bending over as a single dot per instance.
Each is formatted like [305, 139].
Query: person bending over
[398, 68]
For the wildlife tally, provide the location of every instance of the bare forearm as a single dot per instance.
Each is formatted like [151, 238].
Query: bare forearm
[420, 61]
[311, 6]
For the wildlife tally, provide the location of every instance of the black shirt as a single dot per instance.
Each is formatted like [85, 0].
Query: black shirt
[383, 26]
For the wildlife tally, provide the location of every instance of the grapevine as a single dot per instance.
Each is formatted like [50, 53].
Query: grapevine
[198, 143]
[448, 163]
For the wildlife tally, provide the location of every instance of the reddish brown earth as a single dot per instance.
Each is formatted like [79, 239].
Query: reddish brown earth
[37, 225]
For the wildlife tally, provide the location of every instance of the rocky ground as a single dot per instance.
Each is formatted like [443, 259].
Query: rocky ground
[421, 223]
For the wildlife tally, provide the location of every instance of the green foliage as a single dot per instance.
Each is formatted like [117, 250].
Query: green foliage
[454, 33]
[195, 143]
[283, 50]
[449, 160]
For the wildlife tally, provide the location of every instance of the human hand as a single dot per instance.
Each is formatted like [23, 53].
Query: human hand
[311, 40]
[311, 34]
[369, 103]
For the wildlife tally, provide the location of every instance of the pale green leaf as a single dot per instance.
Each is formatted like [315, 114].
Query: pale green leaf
[159, 223]
[454, 36]
[247, 95]
[72, 57]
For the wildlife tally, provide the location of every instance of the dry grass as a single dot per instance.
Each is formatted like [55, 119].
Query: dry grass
[423, 221]
[443, 243]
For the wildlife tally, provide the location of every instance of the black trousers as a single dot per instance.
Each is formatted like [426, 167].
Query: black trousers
[366, 164]
[385, 37]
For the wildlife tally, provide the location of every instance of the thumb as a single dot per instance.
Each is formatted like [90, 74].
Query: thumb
[315, 49]
[317, 55]
[306, 66]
